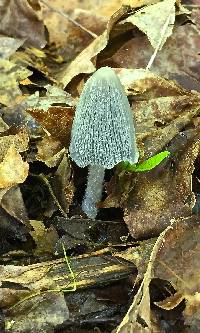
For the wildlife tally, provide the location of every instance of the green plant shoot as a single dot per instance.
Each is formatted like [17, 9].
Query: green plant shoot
[147, 165]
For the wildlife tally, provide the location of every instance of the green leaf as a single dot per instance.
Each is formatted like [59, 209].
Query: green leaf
[147, 165]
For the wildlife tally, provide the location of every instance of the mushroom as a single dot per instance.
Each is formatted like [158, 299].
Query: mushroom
[103, 132]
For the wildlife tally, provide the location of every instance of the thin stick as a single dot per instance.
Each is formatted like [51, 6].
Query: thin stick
[68, 18]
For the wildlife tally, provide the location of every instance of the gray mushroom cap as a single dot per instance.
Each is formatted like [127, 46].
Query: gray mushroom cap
[103, 129]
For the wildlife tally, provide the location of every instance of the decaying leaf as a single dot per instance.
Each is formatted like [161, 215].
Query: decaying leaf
[56, 120]
[19, 139]
[13, 170]
[178, 262]
[40, 314]
[45, 238]
[50, 151]
[165, 192]
[178, 56]
[71, 38]
[140, 308]
[54, 95]
[55, 275]
[18, 19]
[62, 184]
[144, 85]
[13, 204]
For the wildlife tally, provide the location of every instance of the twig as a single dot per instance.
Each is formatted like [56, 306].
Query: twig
[192, 6]
[68, 18]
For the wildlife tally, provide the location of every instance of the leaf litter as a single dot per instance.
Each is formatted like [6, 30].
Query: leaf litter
[134, 269]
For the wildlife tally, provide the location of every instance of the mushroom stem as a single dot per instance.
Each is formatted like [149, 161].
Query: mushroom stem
[93, 191]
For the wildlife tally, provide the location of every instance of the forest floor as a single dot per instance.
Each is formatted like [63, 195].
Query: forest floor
[135, 268]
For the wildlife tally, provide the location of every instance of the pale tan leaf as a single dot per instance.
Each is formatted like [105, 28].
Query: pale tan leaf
[13, 170]
[156, 21]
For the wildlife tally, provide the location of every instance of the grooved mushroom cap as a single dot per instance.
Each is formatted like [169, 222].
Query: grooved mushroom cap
[103, 130]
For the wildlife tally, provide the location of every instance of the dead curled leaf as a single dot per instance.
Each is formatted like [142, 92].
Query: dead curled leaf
[62, 184]
[140, 307]
[179, 54]
[12, 202]
[175, 258]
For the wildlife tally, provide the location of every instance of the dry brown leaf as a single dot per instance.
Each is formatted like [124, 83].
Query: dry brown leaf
[45, 238]
[54, 95]
[144, 84]
[11, 74]
[178, 262]
[13, 204]
[18, 19]
[57, 121]
[140, 308]
[50, 151]
[156, 21]
[20, 141]
[85, 61]
[42, 313]
[71, 39]
[13, 170]
[179, 54]
[164, 192]
[62, 184]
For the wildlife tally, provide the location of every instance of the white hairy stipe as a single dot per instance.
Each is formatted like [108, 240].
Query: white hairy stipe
[103, 130]
[93, 191]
